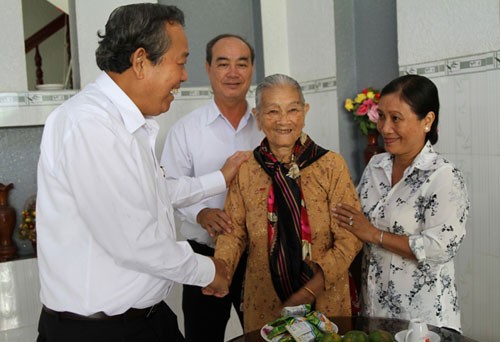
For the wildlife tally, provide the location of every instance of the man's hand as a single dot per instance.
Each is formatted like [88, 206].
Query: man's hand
[219, 287]
[214, 221]
[232, 164]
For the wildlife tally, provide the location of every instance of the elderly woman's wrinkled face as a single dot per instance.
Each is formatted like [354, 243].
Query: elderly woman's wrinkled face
[281, 116]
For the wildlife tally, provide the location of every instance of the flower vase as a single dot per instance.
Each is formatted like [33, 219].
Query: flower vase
[372, 148]
[7, 224]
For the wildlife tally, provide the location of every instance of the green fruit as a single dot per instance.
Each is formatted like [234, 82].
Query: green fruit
[331, 337]
[381, 336]
[355, 336]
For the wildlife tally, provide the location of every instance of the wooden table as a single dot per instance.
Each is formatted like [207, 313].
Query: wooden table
[366, 324]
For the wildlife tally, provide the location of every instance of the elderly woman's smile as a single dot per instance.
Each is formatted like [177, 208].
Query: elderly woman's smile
[283, 131]
[281, 118]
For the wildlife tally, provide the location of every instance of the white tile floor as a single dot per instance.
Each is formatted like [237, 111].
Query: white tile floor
[19, 300]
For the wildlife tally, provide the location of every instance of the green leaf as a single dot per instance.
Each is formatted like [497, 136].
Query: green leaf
[363, 128]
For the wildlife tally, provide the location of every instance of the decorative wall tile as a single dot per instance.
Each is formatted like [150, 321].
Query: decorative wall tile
[321, 85]
[12, 102]
[12, 99]
[468, 64]
[194, 93]
[35, 98]
[432, 69]
[313, 86]
[42, 98]
[455, 66]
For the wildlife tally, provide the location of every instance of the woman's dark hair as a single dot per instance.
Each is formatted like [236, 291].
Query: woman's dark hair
[134, 26]
[211, 43]
[421, 94]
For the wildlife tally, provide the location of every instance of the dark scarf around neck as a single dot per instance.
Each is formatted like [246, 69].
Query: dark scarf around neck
[288, 223]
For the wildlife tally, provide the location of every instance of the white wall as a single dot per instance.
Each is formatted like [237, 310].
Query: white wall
[311, 43]
[12, 58]
[430, 30]
[305, 50]
[275, 36]
[311, 54]
[90, 17]
[455, 43]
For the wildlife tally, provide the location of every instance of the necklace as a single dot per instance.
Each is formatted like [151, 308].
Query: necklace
[293, 171]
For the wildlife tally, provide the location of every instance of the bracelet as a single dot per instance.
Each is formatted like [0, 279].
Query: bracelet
[310, 291]
[381, 240]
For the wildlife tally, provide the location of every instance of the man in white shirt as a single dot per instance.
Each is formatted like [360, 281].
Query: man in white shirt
[107, 247]
[199, 143]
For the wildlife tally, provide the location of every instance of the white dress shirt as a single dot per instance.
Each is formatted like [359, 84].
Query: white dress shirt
[429, 205]
[199, 143]
[106, 235]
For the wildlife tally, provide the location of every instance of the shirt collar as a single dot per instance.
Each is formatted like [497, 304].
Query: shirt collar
[214, 114]
[131, 116]
[425, 160]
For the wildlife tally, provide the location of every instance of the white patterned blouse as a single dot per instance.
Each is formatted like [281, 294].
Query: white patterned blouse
[430, 205]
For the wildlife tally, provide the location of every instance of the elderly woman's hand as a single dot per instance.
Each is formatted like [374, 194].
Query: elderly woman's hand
[355, 221]
[298, 298]
[310, 291]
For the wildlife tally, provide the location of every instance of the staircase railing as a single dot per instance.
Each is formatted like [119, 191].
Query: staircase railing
[41, 35]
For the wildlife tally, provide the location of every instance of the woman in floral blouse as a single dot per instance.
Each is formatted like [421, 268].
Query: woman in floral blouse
[415, 208]
[280, 204]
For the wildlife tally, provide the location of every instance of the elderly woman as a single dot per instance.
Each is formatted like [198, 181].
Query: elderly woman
[280, 204]
[415, 207]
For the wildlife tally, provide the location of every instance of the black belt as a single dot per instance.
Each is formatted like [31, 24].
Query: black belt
[101, 316]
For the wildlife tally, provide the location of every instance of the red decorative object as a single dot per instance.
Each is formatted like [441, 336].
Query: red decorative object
[7, 224]
[372, 147]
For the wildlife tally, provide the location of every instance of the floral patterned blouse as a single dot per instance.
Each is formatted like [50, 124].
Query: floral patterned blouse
[430, 205]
